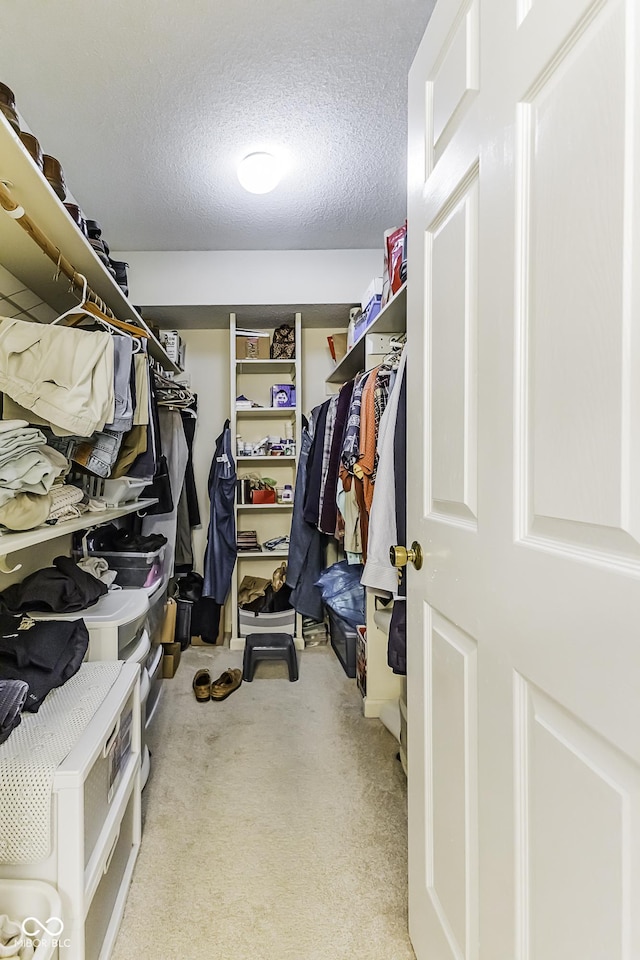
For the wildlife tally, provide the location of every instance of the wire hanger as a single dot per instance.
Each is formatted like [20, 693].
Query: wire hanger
[88, 309]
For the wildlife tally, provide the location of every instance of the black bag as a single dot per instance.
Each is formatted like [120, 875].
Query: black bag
[283, 344]
[160, 488]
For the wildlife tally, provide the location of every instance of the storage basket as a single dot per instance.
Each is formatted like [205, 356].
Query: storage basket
[250, 622]
[132, 569]
[343, 641]
[22, 899]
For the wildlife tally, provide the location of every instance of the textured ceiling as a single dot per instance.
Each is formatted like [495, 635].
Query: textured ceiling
[150, 105]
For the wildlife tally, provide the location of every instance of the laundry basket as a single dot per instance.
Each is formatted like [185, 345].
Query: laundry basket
[37, 903]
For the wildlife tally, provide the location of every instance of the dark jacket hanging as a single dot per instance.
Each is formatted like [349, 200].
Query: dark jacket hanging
[220, 556]
[306, 547]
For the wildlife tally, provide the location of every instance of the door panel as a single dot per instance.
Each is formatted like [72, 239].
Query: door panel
[577, 801]
[524, 490]
[452, 257]
[452, 835]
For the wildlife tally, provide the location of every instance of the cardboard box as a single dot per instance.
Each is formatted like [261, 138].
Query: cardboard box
[170, 660]
[252, 348]
[283, 395]
[338, 346]
[169, 623]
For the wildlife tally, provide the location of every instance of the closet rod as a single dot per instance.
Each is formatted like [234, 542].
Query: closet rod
[17, 213]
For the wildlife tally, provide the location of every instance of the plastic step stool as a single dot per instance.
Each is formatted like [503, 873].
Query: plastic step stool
[269, 646]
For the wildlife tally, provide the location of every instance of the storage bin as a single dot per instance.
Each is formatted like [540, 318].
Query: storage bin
[105, 760]
[343, 641]
[132, 569]
[22, 899]
[250, 622]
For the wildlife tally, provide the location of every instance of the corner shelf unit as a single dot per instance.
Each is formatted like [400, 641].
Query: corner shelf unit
[270, 518]
[22, 256]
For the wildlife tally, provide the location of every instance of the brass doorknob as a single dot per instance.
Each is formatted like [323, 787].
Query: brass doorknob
[400, 556]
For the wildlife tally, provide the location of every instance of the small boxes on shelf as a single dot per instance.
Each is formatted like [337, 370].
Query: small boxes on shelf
[283, 395]
[253, 348]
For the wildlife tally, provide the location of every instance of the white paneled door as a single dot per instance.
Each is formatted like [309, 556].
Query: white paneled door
[524, 481]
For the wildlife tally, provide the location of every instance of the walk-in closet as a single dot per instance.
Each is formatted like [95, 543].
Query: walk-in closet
[203, 736]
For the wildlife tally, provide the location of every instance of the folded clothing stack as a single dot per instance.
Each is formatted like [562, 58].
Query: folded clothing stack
[28, 470]
[247, 540]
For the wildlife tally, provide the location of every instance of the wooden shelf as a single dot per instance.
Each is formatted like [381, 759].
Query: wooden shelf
[266, 366]
[267, 413]
[391, 319]
[22, 256]
[11, 542]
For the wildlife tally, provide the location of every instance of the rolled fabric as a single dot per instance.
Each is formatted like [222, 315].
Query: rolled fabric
[13, 694]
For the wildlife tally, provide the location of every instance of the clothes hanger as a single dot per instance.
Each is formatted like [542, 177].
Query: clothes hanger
[88, 309]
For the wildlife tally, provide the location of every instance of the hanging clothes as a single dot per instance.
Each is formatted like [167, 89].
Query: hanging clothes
[220, 556]
[397, 649]
[383, 534]
[306, 543]
[329, 512]
[314, 465]
[174, 452]
[188, 509]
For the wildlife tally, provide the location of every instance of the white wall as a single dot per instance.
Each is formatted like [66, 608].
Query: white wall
[250, 276]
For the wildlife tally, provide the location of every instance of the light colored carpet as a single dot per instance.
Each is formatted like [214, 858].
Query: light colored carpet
[275, 823]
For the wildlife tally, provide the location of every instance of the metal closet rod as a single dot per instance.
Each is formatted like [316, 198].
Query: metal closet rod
[17, 213]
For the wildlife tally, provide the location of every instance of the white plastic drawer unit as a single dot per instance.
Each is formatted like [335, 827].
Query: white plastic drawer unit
[114, 623]
[96, 824]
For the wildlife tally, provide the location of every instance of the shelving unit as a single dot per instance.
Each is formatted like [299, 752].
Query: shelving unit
[22, 256]
[383, 686]
[254, 378]
[391, 319]
[13, 542]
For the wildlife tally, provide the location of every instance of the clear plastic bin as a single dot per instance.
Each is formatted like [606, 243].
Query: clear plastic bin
[34, 901]
[133, 569]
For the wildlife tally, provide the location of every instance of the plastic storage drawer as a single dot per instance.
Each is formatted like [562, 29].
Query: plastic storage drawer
[95, 802]
[132, 569]
[249, 622]
[343, 641]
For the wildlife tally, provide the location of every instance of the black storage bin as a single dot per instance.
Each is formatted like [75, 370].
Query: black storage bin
[343, 641]
[184, 612]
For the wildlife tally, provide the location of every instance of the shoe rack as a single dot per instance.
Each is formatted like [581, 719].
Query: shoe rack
[254, 379]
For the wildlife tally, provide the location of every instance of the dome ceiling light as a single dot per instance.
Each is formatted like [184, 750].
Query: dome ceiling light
[260, 172]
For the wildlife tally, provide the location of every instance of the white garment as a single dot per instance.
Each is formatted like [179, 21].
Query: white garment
[378, 572]
[60, 374]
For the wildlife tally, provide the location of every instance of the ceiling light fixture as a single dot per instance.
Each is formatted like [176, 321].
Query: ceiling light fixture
[259, 172]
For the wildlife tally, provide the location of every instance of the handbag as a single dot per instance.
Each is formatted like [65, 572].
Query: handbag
[283, 343]
[160, 489]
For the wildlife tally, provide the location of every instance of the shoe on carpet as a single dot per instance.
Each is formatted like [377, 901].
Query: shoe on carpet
[202, 686]
[226, 683]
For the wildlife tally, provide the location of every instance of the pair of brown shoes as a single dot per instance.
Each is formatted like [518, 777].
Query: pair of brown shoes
[206, 689]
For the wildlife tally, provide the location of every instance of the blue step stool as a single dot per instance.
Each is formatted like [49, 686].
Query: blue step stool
[269, 646]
